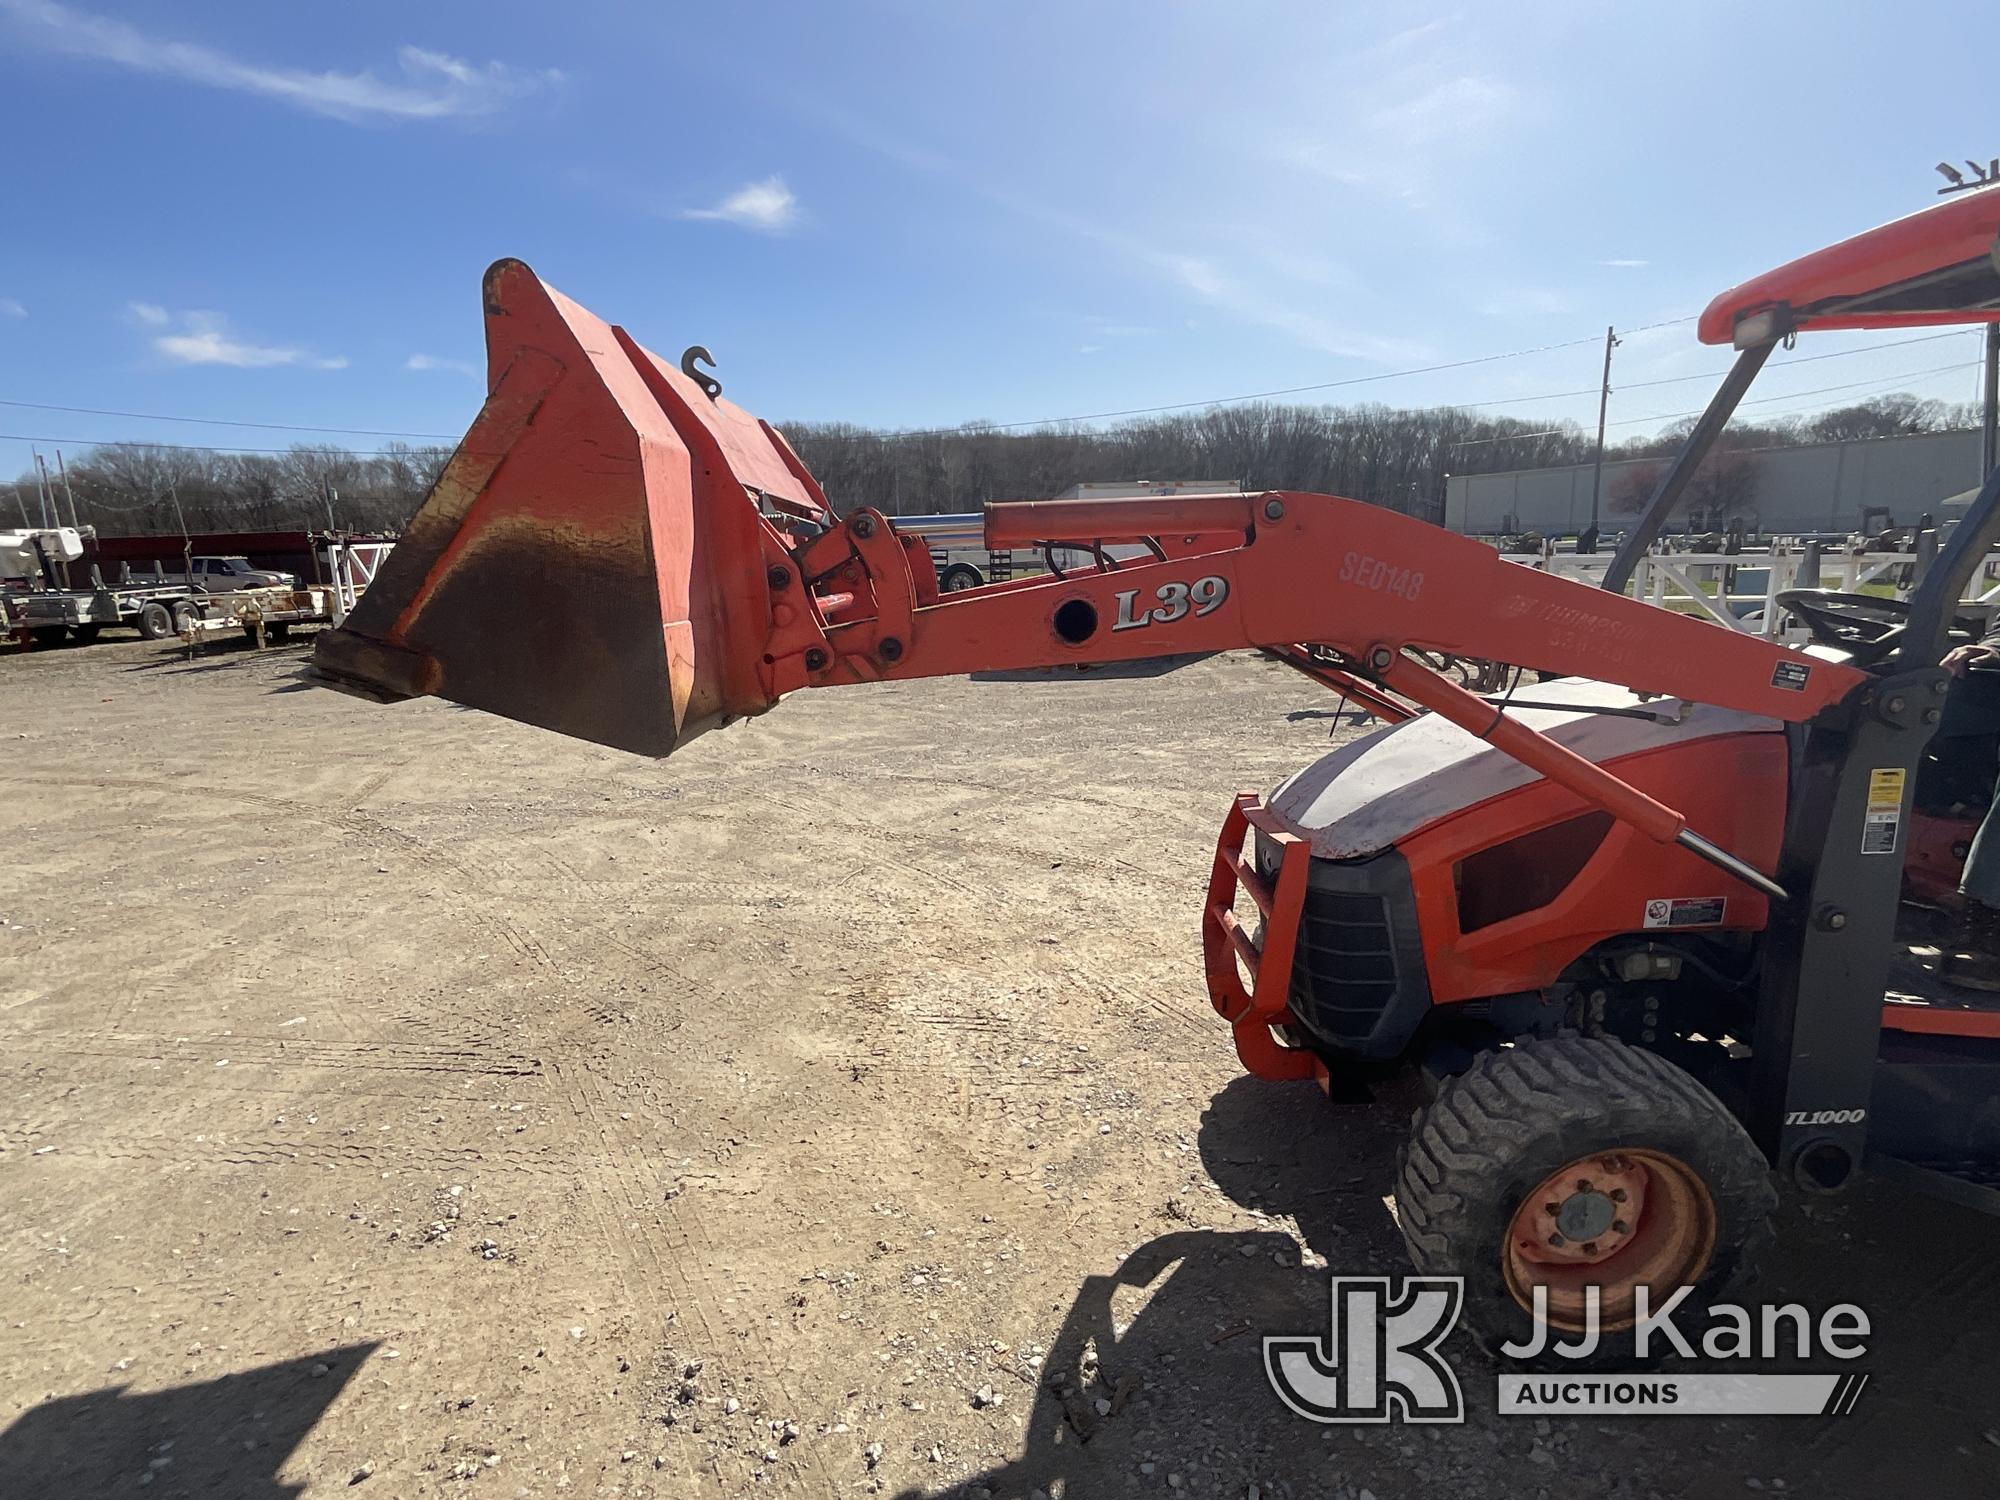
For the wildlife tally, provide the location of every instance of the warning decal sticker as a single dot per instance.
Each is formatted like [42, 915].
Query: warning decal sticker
[1697, 911]
[1791, 675]
[1885, 810]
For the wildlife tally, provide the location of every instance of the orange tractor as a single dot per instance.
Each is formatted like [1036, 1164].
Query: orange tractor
[1636, 936]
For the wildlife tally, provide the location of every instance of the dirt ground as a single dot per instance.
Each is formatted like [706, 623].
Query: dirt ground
[410, 1100]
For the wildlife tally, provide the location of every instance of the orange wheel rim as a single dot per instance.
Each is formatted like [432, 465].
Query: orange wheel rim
[1616, 1220]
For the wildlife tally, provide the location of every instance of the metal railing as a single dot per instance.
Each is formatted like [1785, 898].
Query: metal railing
[352, 567]
[1711, 584]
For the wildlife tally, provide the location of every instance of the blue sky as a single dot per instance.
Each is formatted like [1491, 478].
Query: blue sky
[914, 214]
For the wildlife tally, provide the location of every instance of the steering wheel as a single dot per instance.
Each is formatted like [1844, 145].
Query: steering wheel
[1866, 626]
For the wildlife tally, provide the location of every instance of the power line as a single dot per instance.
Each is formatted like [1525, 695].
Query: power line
[1001, 426]
[1803, 359]
[153, 416]
[143, 416]
[1139, 411]
[1817, 391]
[1518, 437]
[1638, 385]
[77, 442]
[1136, 411]
[1293, 390]
[1761, 401]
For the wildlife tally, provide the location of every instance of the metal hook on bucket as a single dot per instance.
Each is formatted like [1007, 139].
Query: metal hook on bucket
[694, 353]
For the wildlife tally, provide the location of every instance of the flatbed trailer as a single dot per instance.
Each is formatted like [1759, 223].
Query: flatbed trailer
[159, 607]
[261, 614]
[49, 616]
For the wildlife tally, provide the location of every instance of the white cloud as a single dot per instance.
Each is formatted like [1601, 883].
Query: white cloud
[1421, 107]
[1627, 265]
[1286, 314]
[204, 339]
[768, 206]
[10, 308]
[858, 132]
[1110, 328]
[432, 85]
[150, 313]
[432, 362]
[1220, 287]
[1460, 107]
[1525, 302]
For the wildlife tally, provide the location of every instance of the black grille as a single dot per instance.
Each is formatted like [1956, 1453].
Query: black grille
[1344, 975]
[1358, 977]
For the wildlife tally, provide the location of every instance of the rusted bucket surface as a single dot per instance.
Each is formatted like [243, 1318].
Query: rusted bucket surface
[592, 559]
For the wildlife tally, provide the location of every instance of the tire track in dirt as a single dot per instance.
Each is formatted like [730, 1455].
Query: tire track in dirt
[204, 1085]
[374, 784]
[468, 877]
[641, 1268]
[641, 1178]
[1010, 795]
[251, 1049]
[943, 844]
[266, 1151]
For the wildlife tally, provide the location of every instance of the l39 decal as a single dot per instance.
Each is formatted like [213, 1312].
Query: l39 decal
[1176, 601]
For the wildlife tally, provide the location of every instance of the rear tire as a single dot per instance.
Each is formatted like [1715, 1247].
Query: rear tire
[957, 577]
[84, 634]
[47, 637]
[156, 622]
[1573, 1124]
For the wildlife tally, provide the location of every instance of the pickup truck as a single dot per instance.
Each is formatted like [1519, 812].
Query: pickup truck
[217, 575]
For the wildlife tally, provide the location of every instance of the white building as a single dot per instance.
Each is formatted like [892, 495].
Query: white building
[1814, 487]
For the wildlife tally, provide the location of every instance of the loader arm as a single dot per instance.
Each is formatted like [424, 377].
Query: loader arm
[618, 553]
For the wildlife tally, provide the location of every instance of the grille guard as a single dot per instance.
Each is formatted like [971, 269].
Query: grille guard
[1228, 950]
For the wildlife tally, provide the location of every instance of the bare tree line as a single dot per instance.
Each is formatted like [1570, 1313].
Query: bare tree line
[138, 489]
[1385, 455]
[1388, 456]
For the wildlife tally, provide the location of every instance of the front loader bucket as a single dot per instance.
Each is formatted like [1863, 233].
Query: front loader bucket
[593, 558]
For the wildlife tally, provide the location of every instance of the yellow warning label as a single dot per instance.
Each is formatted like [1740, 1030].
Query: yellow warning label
[1885, 810]
[1885, 790]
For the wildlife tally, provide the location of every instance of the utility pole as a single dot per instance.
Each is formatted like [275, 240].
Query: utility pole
[1992, 422]
[64, 475]
[187, 542]
[1603, 403]
[51, 513]
[54, 506]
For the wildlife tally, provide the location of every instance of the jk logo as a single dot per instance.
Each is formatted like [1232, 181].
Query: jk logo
[1380, 1354]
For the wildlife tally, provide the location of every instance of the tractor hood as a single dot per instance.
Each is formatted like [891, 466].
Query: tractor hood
[1367, 795]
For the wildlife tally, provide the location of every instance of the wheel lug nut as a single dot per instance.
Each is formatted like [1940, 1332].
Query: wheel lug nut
[1619, 1195]
[1551, 1209]
[1556, 1240]
[1619, 1226]
[1583, 1184]
[1590, 1248]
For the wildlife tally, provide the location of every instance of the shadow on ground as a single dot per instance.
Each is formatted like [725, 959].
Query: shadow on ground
[216, 655]
[1159, 1361]
[222, 1439]
[1145, 666]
